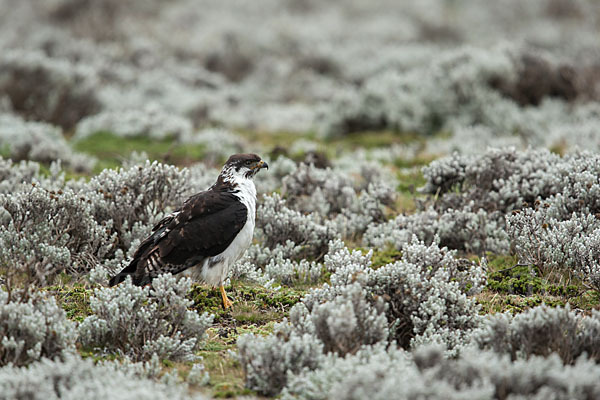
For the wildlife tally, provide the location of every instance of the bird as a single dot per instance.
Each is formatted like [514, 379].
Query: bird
[206, 235]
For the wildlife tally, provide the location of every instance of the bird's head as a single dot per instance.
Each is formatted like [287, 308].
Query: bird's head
[244, 165]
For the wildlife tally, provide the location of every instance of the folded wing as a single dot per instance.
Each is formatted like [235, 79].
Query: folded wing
[204, 227]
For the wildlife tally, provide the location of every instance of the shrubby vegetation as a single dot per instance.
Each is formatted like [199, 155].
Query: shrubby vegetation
[76, 377]
[428, 227]
[422, 297]
[542, 331]
[38, 141]
[48, 232]
[145, 322]
[380, 374]
[49, 89]
[519, 202]
[33, 326]
[518, 74]
[151, 122]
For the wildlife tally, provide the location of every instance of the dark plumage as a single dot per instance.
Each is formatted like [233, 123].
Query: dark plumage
[210, 231]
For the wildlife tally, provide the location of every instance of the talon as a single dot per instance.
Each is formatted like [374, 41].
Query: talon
[226, 302]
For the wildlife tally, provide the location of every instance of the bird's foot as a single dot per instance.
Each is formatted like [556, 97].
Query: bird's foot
[226, 302]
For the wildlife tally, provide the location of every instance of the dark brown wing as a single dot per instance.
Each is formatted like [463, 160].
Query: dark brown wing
[205, 226]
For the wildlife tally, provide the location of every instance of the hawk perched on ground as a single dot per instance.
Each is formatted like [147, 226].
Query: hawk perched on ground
[207, 235]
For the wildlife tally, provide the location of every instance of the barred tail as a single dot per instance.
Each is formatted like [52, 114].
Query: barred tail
[152, 267]
[139, 273]
[127, 271]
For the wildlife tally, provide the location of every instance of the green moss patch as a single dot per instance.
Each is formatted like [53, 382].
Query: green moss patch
[111, 149]
[528, 280]
[75, 300]
[512, 287]
[251, 304]
[226, 374]
[384, 257]
[492, 303]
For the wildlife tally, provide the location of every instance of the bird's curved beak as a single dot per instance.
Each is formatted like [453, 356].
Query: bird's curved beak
[262, 164]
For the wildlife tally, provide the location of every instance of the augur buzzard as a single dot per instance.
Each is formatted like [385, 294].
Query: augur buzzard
[207, 234]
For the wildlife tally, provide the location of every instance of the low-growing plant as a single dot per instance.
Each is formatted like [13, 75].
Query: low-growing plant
[268, 361]
[419, 299]
[277, 224]
[460, 229]
[139, 322]
[38, 141]
[151, 122]
[344, 323]
[377, 373]
[135, 197]
[32, 329]
[557, 247]
[46, 232]
[542, 331]
[427, 299]
[425, 292]
[74, 377]
[14, 175]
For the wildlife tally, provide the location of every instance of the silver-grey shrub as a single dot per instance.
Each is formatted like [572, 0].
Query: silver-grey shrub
[560, 233]
[139, 322]
[504, 179]
[452, 86]
[50, 225]
[537, 377]
[497, 180]
[468, 229]
[43, 233]
[419, 299]
[376, 374]
[425, 292]
[152, 122]
[365, 209]
[32, 329]
[39, 141]
[48, 89]
[307, 181]
[278, 169]
[14, 176]
[219, 144]
[290, 272]
[266, 266]
[268, 361]
[138, 195]
[580, 186]
[76, 378]
[363, 372]
[471, 196]
[345, 322]
[338, 325]
[555, 246]
[277, 224]
[352, 203]
[542, 331]
[426, 296]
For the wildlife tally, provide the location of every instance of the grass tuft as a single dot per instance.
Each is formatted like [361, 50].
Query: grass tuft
[111, 149]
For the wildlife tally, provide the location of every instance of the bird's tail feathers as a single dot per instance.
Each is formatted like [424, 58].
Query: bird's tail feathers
[130, 270]
[127, 271]
[141, 255]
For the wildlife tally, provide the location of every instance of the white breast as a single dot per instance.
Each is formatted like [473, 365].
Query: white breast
[214, 270]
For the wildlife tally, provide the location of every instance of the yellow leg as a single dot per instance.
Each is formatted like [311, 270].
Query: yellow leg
[226, 302]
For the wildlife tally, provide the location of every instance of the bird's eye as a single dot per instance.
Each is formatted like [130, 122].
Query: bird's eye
[249, 162]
